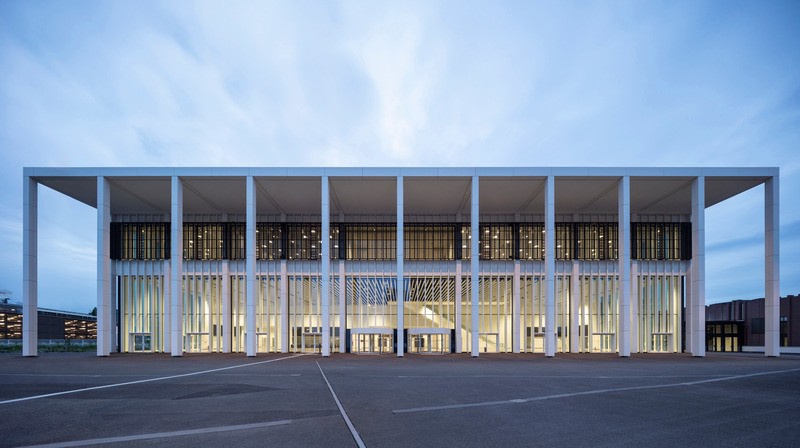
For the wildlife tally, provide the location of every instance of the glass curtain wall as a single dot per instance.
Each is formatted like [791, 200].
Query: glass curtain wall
[268, 312]
[371, 301]
[494, 313]
[202, 313]
[141, 299]
[533, 312]
[599, 297]
[531, 242]
[305, 313]
[305, 310]
[430, 302]
[238, 310]
[660, 299]
[429, 242]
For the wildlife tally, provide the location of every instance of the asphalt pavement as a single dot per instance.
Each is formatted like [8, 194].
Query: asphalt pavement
[126, 400]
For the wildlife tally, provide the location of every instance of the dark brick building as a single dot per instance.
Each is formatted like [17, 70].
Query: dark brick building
[732, 325]
[53, 324]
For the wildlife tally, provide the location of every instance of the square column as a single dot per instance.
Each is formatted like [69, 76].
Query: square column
[176, 267]
[550, 266]
[458, 325]
[104, 307]
[30, 266]
[400, 268]
[687, 309]
[772, 258]
[325, 254]
[698, 302]
[634, 307]
[624, 257]
[574, 309]
[226, 307]
[342, 309]
[284, 314]
[516, 332]
[475, 263]
[167, 289]
[251, 339]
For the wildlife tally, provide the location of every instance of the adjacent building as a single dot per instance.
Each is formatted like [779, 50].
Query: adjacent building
[741, 324]
[52, 325]
[401, 260]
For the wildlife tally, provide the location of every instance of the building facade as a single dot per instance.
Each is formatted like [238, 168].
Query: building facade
[52, 325]
[739, 324]
[402, 260]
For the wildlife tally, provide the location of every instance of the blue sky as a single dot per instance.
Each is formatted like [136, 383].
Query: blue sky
[678, 83]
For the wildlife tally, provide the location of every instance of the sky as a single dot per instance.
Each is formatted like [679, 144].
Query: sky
[454, 83]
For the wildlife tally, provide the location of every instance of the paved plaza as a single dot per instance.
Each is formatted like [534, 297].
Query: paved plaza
[77, 399]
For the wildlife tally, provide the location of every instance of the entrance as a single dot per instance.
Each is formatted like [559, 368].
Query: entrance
[429, 341]
[371, 341]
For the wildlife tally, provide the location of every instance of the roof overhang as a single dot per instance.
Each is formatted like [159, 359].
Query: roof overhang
[426, 191]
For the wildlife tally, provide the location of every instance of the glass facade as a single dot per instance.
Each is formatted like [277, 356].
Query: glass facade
[370, 241]
[269, 241]
[660, 300]
[305, 314]
[597, 241]
[299, 241]
[495, 297]
[140, 241]
[598, 311]
[371, 301]
[661, 241]
[533, 313]
[531, 242]
[142, 313]
[430, 241]
[202, 313]
[288, 308]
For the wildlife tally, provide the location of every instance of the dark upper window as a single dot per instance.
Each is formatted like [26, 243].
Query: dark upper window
[497, 241]
[661, 241]
[140, 241]
[597, 241]
[430, 241]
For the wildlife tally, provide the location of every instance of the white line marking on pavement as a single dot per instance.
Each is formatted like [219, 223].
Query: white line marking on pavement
[149, 380]
[588, 392]
[159, 435]
[353, 431]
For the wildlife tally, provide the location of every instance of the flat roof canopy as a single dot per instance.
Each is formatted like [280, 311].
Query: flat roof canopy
[427, 191]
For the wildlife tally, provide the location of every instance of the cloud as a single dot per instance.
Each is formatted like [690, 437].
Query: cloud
[414, 83]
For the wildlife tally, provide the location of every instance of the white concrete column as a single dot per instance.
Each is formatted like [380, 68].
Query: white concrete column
[634, 307]
[624, 258]
[104, 307]
[475, 264]
[342, 309]
[772, 258]
[226, 307]
[550, 266]
[574, 308]
[698, 347]
[325, 254]
[176, 267]
[400, 268]
[166, 336]
[688, 309]
[516, 332]
[284, 314]
[30, 266]
[458, 292]
[251, 338]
